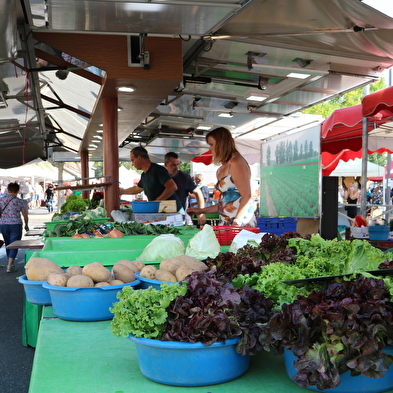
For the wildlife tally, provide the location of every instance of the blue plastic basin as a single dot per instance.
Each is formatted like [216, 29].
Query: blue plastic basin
[84, 304]
[35, 293]
[189, 364]
[146, 282]
[348, 384]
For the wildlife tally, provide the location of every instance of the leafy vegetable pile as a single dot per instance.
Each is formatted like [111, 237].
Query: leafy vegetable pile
[344, 326]
[202, 309]
[143, 312]
[74, 203]
[83, 224]
[135, 228]
[311, 258]
[213, 310]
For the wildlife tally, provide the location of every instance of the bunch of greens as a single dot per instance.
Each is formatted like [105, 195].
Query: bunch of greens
[272, 248]
[213, 310]
[136, 228]
[343, 327]
[143, 312]
[333, 257]
[74, 203]
[80, 224]
[229, 265]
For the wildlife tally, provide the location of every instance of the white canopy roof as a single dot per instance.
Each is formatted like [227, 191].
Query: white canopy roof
[354, 168]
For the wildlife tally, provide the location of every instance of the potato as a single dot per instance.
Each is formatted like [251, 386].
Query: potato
[164, 275]
[38, 269]
[182, 272]
[148, 272]
[128, 263]
[140, 265]
[116, 282]
[80, 280]
[74, 269]
[96, 271]
[123, 273]
[57, 279]
[102, 284]
[193, 263]
[171, 264]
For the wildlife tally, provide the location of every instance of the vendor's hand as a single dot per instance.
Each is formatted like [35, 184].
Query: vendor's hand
[26, 228]
[201, 219]
[193, 210]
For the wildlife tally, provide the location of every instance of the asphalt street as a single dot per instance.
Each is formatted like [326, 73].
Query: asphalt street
[16, 360]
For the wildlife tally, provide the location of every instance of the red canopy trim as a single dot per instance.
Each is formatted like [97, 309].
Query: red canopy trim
[205, 158]
[380, 102]
[344, 120]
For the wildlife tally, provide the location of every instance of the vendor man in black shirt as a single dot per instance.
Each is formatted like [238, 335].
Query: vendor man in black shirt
[155, 180]
[184, 183]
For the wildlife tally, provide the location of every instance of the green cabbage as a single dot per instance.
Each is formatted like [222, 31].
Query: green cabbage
[161, 247]
[204, 244]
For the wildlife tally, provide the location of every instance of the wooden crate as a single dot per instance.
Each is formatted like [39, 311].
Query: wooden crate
[167, 206]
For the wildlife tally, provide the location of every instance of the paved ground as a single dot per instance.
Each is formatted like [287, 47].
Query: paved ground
[15, 359]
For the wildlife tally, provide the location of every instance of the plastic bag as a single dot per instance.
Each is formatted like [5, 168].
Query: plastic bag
[245, 237]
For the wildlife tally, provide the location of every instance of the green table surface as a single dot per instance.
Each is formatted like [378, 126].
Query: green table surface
[73, 357]
[86, 357]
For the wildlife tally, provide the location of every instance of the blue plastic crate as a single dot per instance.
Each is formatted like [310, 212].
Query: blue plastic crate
[277, 225]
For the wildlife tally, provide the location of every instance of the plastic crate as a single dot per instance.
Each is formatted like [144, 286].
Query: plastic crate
[378, 232]
[225, 234]
[277, 225]
[145, 207]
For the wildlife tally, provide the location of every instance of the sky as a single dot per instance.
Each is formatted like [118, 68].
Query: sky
[385, 6]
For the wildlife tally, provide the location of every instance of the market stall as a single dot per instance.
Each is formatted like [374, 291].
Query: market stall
[86, 356]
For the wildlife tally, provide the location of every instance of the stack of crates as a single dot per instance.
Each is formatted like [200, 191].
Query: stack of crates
[277, 225]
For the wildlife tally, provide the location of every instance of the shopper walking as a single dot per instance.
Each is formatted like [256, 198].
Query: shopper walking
[11, 221]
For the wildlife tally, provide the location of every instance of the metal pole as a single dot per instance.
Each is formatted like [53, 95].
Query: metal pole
[363, 201]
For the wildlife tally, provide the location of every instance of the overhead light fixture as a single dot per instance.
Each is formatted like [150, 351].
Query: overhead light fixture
[97, 137]
[204, 128]
[126, 89]
[119, 109]
[92, 145]
[297, 75]
[225, 114]
[256, 98]
[100, 131]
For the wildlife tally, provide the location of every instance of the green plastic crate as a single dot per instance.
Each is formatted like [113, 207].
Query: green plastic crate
[61, 244]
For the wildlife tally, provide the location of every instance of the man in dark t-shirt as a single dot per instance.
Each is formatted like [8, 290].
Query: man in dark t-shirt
[185, 184]
[155, 180]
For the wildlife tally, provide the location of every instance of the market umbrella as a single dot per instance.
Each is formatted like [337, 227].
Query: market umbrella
[341, 136]
[380, 102]
[204, 158]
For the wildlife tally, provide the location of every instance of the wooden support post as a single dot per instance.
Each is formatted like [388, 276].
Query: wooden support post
[111, 153]
[85, 172]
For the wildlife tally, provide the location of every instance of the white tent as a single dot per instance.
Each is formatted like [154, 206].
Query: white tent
[354, 168]
[32, 172]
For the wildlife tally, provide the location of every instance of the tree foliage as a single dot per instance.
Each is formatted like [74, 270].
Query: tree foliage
[354, 97]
